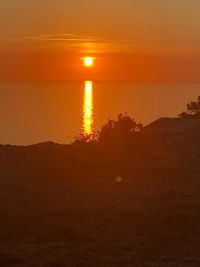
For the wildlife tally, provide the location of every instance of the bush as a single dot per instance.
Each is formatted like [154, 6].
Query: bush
[114, 130]
[119, 129]
[85, 138]
[192, 110]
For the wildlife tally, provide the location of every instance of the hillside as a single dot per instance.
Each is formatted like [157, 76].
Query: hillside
[131, 204]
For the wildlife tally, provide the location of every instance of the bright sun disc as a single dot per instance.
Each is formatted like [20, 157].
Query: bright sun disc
[88, 61]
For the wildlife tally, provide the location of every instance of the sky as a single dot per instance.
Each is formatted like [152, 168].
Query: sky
[145, 41]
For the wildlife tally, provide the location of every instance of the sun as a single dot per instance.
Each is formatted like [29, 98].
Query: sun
[88, 61]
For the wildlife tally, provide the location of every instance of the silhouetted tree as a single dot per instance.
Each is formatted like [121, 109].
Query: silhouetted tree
[119, 129]
[193, 109]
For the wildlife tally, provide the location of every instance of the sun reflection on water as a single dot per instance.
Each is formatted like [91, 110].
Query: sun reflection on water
[88, 108]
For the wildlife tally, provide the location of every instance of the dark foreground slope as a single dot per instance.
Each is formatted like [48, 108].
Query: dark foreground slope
[66, 205]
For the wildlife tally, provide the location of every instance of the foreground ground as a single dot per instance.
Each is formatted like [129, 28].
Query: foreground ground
[83, 207]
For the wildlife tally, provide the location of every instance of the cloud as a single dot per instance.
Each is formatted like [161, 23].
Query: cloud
[93, 44]
[50, 37]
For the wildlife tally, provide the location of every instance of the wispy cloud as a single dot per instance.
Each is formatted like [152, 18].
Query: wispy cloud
[51, 37]
[71, 41]
[93, 44]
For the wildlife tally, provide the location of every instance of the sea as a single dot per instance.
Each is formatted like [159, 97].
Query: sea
[35, 112]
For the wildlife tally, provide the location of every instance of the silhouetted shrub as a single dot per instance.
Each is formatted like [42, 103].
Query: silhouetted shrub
[192, 110]
[86, 138]
[113, 131]
[119, 129]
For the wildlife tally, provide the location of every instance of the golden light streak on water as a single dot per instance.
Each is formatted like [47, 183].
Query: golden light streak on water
[88, 108]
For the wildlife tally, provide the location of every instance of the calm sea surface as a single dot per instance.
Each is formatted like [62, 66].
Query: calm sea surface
[37, 112]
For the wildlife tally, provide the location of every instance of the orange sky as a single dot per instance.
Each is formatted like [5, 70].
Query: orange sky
[148, 41]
